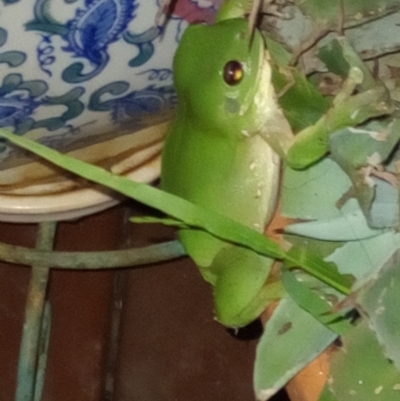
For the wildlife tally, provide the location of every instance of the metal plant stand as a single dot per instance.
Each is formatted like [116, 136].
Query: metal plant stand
[37, 324]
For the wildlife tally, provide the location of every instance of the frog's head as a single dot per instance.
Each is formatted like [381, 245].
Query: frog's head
[222, 77]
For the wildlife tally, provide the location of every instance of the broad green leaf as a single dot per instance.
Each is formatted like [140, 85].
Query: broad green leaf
[325, 273]
[180, 209]
[362, 152]
[381, 303]
[370, 145]
[315, 304]
[359, 370]
[376, 36]
[384, 211]
[313, 193]
[292, 338]
[319, 248]
[158, 220]
[346, 227]
[364, 259]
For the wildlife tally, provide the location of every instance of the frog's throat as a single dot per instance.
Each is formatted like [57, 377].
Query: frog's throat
[265, 98]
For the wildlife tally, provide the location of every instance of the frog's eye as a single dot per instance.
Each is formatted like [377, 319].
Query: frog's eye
[233, 72]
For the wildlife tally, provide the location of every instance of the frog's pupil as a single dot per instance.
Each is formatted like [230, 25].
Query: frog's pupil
[233, 72]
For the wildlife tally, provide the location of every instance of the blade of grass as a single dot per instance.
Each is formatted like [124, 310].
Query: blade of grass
[180, 209]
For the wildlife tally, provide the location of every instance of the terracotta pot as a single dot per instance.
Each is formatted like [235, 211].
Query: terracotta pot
[309, 383]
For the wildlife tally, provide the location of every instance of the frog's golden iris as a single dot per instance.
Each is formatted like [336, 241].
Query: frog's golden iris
[233, 72]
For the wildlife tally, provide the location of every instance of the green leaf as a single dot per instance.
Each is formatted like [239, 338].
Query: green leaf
[347, 227]
[314, 304]
[319, 248]
[384, 211]
[157, 220]
[377, 36]
[308, 196]
[360, 153]
[359, 370]
[380, 302]
[313, 193]
[180, 209]
[364, 259]
[371, 144]
[327, 395]
[326, 272]
[292, 338]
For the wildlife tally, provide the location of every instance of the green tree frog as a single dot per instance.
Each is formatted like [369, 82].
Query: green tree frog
[214, 157]
[218, 153]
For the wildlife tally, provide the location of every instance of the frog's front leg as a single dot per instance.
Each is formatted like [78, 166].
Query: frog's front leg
[348, 110]
[312, 143]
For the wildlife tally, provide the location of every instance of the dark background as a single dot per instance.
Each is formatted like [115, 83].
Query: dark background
[133, 335]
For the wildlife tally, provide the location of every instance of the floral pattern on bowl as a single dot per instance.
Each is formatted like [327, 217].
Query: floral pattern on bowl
[77, 72]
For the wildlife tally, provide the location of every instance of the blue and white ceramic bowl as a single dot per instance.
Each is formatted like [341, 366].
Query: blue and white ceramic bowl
[74, 72]
[79, 75]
